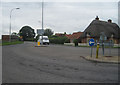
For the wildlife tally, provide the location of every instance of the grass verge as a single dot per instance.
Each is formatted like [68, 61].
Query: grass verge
[90, 46]
[11, 43]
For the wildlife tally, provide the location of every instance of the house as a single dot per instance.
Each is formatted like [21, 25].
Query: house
[59, 34]
[68, 36]
[97, 27]
[7, 37]
[75, 35]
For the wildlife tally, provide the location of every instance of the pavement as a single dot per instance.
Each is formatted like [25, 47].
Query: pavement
[103, 59]
[0, 64]
[25, 63]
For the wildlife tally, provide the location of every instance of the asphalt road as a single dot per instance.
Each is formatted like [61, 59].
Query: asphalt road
[25, 63]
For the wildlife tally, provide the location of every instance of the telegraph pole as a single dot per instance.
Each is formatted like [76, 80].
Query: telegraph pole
[10, 23]
[42, 20]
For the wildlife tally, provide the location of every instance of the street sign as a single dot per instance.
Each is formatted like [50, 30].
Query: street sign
[103, 37]
[91, 42]
[40, 31]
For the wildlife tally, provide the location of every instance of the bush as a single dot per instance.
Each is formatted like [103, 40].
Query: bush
[30, 39]
[53, 36]
[37, 37]
[75, 41]
[58, 40]
[67, 41]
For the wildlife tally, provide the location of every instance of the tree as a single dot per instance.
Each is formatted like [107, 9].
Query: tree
[48, 32]
[57, 39]
[75, 41]
[64, 33]
[14, 33]
[27, 32]
[37, 37]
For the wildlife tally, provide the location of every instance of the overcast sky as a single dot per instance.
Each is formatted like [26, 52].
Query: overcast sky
[59, 16]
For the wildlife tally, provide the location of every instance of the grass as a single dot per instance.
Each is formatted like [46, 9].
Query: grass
[90, 46]
[99, 47]
[11, 43]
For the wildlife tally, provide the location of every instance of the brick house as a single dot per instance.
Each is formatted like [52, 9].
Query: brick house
[59, 34]
[13, 37]
[75, 35]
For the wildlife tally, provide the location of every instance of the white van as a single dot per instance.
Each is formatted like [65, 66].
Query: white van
[45, 39]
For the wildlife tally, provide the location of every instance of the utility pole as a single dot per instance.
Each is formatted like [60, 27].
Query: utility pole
[42, 20]
[10, 23]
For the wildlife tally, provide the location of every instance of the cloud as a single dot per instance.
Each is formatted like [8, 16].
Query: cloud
[61, 17]
[61, 0]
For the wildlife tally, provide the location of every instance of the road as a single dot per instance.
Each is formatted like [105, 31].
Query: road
[25, 63]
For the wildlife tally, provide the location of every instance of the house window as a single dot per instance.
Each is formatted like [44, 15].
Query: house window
[87, 34]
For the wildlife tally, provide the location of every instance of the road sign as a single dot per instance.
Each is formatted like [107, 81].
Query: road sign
[40, 31]
[103, 37]
[91, 42]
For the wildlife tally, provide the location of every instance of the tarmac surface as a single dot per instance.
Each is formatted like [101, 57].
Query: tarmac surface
[25, 63]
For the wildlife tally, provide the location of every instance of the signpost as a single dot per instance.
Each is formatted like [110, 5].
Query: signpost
[103, 38]
[91, 43]
[110, 46]
[40, 31]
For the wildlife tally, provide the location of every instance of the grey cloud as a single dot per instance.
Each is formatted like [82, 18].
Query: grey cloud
[61, 17]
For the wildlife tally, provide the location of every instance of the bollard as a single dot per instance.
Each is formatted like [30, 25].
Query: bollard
[97, 50]
[38, 43]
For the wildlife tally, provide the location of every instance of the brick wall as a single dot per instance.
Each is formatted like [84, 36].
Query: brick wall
[6, 38]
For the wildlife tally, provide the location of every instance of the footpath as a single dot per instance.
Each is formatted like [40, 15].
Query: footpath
[103, 59]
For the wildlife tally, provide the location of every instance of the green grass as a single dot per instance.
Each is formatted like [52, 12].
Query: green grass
[99, 47]
[11, 43]
[93, 46]
[116, 47]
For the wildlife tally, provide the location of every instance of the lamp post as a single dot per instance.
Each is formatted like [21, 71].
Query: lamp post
[10, 23]
[42, 20]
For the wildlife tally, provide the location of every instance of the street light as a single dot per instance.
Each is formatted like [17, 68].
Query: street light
[42, 20]
[10, 23]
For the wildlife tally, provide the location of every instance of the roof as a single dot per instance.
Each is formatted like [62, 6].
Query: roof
[59, 34]
[96, 27]
[75, 35]
[68, 35]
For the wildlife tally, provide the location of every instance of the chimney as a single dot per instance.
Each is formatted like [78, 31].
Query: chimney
[96, 18]
[110, 21]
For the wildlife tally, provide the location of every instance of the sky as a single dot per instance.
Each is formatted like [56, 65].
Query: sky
[70, 16]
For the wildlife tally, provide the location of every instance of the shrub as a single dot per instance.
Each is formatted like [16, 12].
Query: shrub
[75, 41]
[67, 41]
[37, 37]
[30, 39]
[58, 40]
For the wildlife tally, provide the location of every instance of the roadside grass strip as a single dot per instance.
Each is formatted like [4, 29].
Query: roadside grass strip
[11, 43]
[86, 45]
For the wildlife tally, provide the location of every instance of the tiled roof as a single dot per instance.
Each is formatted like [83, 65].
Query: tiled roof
[75, 35]
[68, 35]
[59, 34]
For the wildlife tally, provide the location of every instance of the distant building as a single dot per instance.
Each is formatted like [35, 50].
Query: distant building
[68, 36]
[7, 37]
[60, 34]
[96, 27]
[75, 35]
